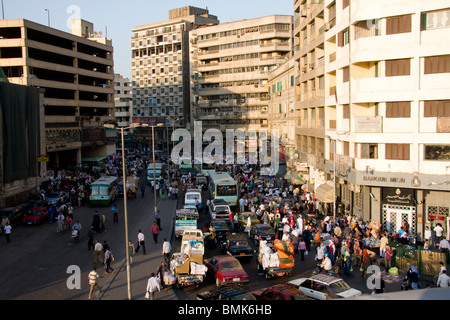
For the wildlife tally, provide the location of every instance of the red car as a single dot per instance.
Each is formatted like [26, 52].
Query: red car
[279, 292]
[37, 215]
[226, 270]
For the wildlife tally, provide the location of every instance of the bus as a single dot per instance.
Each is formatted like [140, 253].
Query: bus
[185, 165]
[104, 191]
[223, 187]
[93, 163]
[158, 171]
[204, 167]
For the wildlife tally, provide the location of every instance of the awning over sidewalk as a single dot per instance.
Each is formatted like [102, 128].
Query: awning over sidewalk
[325, 193]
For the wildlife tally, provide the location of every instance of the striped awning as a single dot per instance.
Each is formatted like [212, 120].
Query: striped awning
[325, 193]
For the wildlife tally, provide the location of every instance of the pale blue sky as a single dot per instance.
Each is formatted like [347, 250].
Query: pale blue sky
[120, 17]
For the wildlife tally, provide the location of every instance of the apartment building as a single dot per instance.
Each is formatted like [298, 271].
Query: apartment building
[123, 101]
[281, 108]
[387, 109]
[76, 71]
[309, 56]
[230, 70]
[160, 70]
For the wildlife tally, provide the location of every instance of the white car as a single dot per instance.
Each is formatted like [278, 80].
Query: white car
[221, 210]
[191, 196]
[324, 286]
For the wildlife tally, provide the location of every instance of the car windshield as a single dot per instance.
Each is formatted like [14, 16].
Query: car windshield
[221, 209]
[244, 296]
[37, 212]
[265, 229]
[230, 265]
[220, 225]
[339, 286]
[192, 196]
[239, 243]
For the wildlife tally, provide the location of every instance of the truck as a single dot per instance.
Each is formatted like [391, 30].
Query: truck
[187, 266]
[132, 186]
[185, 219]
[276, 261]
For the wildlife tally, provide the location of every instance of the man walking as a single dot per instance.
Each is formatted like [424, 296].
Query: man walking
[166, 251]
[155, 231]
[141, 242]
[98, 252]
[93, 276]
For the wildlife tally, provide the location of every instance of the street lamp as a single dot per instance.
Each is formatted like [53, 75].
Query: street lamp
[173, 120]
[111, 126]
[154, 165]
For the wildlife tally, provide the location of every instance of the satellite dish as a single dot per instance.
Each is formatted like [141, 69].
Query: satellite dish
[100, 33]
[95, 33]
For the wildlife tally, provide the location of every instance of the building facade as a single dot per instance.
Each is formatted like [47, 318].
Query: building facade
[230, 67]
[76, 71]
[123, 100]
[387, 105]
[160, 71]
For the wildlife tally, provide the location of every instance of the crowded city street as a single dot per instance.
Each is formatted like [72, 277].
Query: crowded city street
[50, 262]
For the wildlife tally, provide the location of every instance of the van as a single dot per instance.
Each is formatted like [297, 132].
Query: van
[190, 197]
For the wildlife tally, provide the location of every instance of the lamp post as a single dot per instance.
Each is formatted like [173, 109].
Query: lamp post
[110, 126]
[173, 120]
[154, 165]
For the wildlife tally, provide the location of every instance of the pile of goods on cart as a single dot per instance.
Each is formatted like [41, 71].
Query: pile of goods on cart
[276, 261]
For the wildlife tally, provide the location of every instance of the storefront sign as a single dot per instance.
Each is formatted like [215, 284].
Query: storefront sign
[399, 197]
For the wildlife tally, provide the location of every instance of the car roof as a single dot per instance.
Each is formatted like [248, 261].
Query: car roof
[285, 288]
[324, 278]
[237, 236]
[223, 258]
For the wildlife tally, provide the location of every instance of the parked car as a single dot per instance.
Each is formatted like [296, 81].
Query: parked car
[324, 286]
[236, 245]
[232, 292]
[243, 219]
[37, 215]
[26, 207]
[226, 270]
[14, 214]
[53, 197]
[263, 232]
[280, 291]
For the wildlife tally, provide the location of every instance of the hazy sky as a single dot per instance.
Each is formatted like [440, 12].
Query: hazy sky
[118, 18]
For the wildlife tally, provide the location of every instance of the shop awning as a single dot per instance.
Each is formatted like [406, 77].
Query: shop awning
[294, 178]
[325, 193]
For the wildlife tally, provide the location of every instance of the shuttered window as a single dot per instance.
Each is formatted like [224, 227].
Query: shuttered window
[437, 108]
[345, 74]
[398, 109]
[396, 151]
[398, 67]
[398, 24]
[346, 111]
[437, 64]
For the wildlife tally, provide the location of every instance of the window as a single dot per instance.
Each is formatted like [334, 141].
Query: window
[346, 111]
[437, 108]
[437, 64]
[398, 109]
[398, 67]
[343, 38]
[435, 19]
[345, 74]
[369, 151]
[398, 24]
[396, 151]
[434, 152]
[346, 146]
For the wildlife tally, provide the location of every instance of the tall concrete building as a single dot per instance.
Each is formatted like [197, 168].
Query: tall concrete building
[160, 70]
[231, 63]
[309, 45]
[123, 100]
[76, 71]
[381, 116]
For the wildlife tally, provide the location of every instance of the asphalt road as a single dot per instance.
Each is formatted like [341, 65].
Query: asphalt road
[38, 263]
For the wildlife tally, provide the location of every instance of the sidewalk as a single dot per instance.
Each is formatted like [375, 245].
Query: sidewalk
[143, 265]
